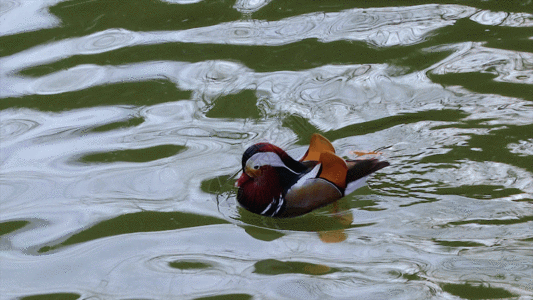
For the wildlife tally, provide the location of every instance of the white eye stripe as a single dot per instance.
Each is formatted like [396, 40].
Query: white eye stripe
[266, 159]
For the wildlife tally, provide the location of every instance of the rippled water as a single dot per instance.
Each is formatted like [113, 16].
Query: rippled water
[123, 124]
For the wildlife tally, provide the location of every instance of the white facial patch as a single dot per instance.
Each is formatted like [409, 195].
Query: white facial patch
[260, 159]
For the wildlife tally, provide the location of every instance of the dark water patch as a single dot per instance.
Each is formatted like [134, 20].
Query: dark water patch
[218, 185]
[363, 199]
[417, 60]
[445, 115]
[55, 296]
[8, 227]
[79, 18]
[365, 204]
[276, 267]
[188, 265]
[482, 191]
[373, 209]
[301, 127]
[417, 202]
[131, 93]
[484, 83]
[493, 147]
[295, 56]
[469, 291]
[412, 277]
[418, 185]
[524, 44]
[467, 30]
[322, 220]
[145, 221]
[495, 221]
[263, 234]
[133, 155]
[12, 44]
[239, 106]
[86, 17]
[530, 200]
[227, 297]
[131, 122]
[458, 244]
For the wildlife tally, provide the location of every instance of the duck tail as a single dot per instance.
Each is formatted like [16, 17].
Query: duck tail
[360, 168]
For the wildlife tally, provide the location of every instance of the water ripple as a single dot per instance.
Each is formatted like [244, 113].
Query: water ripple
[486, 17]
[14, 189]
[363, 21]
[250, 6]
[519, 20]
[193, 264]
[296, 27]
[36, 16]
[523, 148]
[509, 66]
[453, 208]
[8, 5]
[485, 266]
[107, 40]
[501, 18]
[10, 129]
[381, 27]
[77, 78]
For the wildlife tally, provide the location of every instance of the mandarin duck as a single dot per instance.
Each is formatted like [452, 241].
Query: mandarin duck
[276, 185]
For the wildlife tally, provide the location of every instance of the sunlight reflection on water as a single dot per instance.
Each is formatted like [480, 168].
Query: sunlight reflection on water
[35, 16]
[153, 214]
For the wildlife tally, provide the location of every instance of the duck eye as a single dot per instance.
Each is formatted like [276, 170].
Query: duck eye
[256, 167]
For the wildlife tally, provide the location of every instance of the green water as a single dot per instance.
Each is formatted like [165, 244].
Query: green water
[122, 126]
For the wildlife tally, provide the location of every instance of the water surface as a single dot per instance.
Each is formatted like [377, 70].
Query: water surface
[123, 125]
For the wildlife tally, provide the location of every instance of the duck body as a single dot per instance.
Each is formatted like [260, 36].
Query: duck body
[276, 185]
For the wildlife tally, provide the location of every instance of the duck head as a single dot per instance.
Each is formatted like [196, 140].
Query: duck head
[267, 172]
